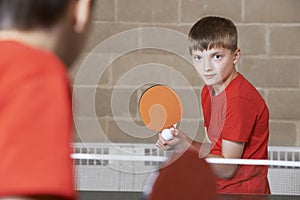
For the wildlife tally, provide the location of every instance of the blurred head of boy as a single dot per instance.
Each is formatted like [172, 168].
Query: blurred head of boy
[213, 46]
[54, 25]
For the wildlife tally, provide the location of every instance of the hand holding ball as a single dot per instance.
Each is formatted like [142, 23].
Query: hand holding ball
[166, 134]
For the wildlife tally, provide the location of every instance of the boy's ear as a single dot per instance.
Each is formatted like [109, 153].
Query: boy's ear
[237, 56]
[82, 12]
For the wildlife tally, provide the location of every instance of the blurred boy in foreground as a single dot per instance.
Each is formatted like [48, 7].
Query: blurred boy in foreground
[38, 39]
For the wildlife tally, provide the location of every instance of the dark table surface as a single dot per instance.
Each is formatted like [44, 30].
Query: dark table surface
[95, 195]
[257, 197]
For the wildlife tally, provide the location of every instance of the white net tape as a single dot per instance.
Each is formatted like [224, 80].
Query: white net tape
[209, 160]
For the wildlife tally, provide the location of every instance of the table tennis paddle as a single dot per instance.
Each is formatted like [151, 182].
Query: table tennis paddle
[160, 109]
[183, 176]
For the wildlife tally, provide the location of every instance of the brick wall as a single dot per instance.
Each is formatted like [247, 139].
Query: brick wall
[269, 33]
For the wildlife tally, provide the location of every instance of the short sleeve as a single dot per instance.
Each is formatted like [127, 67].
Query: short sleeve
[239, 120]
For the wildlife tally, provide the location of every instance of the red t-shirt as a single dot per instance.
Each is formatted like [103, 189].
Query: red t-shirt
[239, 114]
[35, 123]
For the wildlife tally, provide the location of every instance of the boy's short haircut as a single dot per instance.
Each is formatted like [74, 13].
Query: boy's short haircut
[30, 14]
[210, 32]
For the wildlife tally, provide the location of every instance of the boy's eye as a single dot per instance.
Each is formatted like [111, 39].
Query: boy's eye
[197, 58]
[218, 56]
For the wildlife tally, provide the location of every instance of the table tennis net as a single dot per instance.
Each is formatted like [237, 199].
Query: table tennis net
[126, 167]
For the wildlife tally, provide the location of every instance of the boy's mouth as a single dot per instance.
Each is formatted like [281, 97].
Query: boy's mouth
[209, 76]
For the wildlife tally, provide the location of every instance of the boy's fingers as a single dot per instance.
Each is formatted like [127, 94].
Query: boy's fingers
[160, 144]
[163, 144]
[175, 132]
[162, 141]
[162, 147]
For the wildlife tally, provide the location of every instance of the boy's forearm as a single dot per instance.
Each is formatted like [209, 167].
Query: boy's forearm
[196, 145]
[223, 171]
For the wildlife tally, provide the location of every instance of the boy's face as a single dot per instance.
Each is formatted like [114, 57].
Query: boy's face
[216, 66]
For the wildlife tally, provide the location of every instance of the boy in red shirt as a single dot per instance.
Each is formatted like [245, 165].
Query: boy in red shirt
[235, 115]
[35, 101]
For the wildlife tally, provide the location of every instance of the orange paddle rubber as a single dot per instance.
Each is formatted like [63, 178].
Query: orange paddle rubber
[160, 108]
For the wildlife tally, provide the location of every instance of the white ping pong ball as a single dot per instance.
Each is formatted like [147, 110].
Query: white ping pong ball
[166, 134]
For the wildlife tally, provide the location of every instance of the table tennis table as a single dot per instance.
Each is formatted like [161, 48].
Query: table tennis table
[257, 197]
[96, 195]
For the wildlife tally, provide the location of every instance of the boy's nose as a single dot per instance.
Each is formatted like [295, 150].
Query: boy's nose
[208, 66]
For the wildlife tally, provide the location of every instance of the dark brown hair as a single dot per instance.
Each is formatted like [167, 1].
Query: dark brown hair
[210, 32]
[30, 14]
